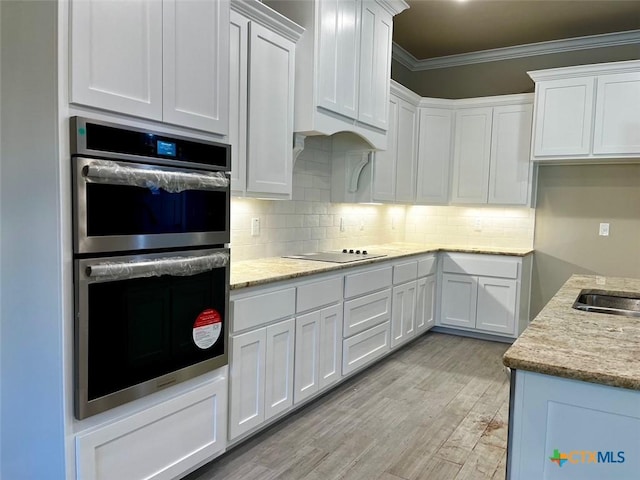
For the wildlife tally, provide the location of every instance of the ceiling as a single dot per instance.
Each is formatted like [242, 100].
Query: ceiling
[436, 28]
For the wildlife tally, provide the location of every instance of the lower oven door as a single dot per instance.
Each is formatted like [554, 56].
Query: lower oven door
[146, 322]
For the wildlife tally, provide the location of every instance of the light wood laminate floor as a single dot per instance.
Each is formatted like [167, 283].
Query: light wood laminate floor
[435, 410]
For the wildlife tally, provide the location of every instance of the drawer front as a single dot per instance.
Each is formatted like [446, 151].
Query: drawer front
[365, 312]
[365, 347]
[405, 272]
[318, 294]
[366, 282]
[261, 309]
[482, 265]
[197, 419]
[427, 266]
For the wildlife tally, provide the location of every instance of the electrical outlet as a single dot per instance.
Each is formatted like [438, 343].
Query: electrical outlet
[255, 227]
[477, 224]
[361, 224]
[342, 224]
[604, 230]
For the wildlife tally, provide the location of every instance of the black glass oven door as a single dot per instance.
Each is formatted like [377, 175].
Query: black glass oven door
[138, 333]
[136, 206]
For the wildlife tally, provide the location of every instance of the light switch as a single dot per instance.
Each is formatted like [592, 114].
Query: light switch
[604, 229]
[255, 227]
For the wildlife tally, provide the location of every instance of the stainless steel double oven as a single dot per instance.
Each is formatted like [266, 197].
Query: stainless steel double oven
[151, 258]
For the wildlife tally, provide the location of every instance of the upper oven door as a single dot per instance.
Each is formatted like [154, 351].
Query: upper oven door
[122, 206]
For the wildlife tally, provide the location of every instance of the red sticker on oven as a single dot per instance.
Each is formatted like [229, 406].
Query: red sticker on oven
[207, 328]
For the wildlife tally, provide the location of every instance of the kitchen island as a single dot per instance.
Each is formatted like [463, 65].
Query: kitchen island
[575, 392]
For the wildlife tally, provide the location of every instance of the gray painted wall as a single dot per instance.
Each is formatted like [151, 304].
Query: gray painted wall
[572, 201]
[503, 77]
[32, 405]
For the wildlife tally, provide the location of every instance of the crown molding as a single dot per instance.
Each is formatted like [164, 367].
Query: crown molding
[266, 16]
[519, 51]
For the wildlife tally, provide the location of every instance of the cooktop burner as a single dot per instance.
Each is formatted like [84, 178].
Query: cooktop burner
[346, 256]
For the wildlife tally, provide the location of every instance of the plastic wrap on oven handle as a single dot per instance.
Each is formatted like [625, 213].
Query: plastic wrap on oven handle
[112, 173]
[175, 266]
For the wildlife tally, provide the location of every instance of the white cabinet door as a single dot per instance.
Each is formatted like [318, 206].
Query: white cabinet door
[306, 357]
[403, 313]
[459, 298]
[564, 110]
[376, 27]
[471, 155]
[116, 56]
[496, 305]
[510, 155]
[364, 348]
[406, 153]
[330, 348]
[196, 64]
[339, 56]
[279, 368]
[434, 155]
[425, 304]
[238, 63]
[617, 115]
[318, 351]
[271, 88]
[384, 167]
[168, 439]
[247, 379]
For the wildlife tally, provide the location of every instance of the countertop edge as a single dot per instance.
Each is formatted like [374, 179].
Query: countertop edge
[327, 267]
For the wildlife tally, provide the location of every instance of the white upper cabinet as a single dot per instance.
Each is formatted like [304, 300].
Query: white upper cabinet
[471, 155]
[116, 56]
[435, 126]
[339, 56]
[262, 73]
[376, 27]
[162, 60]
[394, 177]
[344, 67]
[195, 49]
[491, 161]
[617, 118]
[587, 113]
[510, 167]
[563, 123]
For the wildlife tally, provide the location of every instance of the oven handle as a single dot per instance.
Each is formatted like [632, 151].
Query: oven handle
[174, 266]
[112, 173]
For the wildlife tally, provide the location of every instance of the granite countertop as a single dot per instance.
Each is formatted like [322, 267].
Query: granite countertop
[249, 273]
[587, 346]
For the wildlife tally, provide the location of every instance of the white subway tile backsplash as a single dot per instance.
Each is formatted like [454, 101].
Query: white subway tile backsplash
[310, 222]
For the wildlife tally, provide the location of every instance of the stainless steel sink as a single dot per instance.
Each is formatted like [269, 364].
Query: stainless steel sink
[613, 303]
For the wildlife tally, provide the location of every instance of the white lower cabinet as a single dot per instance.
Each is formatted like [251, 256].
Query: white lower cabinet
[485, 293]
[318, 351]
[365, 347]
[403, 313]
[367, 314]
[161, 442]
[261, 375]
[426, 293]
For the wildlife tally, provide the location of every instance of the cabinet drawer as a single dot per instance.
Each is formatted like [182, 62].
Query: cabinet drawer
[197, 419]
[427, 266]
[405, 272]
[488, 266]
[365, 312]
[365, 347]
[318, 294]
[368, 281]
[258, 310]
